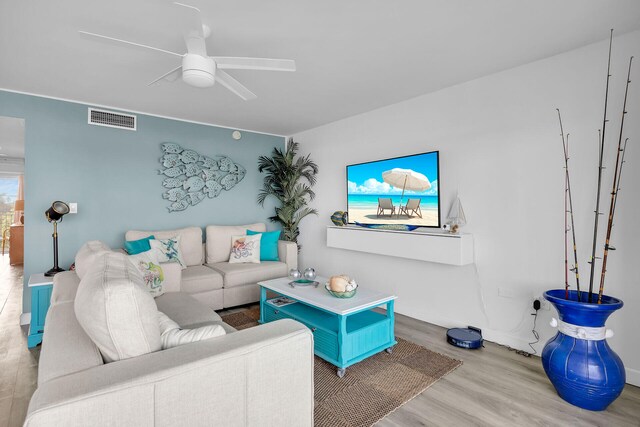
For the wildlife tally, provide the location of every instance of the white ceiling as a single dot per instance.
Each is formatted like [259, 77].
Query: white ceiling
[11, 137]
[352, 56]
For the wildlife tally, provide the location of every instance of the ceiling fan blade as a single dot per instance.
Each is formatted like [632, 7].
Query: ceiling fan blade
[235, 63]
[170, 76]
[195, 33]
[234, 86]
[129, 43]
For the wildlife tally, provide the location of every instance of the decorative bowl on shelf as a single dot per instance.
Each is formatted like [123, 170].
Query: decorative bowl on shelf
[346, 294]
[341, 286]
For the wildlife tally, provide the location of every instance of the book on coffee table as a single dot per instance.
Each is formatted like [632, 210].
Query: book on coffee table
[281, 301]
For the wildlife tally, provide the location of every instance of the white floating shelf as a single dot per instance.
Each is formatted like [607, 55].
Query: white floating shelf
[431, 246]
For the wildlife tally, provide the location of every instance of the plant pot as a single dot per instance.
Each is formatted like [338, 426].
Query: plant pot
[582, 367]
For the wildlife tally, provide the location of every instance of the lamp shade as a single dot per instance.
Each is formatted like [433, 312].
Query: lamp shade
[19, 205]
[57, 210]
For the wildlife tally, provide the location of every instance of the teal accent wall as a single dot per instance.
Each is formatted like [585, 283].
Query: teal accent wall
[112, 175]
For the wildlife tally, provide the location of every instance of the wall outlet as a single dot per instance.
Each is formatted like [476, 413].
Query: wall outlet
[536, 304]
[73, 208]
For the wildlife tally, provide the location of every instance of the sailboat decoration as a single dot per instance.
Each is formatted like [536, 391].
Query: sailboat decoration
[456, 218]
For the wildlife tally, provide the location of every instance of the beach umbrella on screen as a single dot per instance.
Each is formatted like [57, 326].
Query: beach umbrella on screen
[406, 179]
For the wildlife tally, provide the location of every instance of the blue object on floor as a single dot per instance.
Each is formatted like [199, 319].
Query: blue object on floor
[585, 372]
[465, 337]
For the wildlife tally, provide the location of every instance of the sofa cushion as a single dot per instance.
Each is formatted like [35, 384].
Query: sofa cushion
[116, 311]
[190, 241]
[240, 295]
[185, 310]
[212, 299]
[172, 276]
[219, 239]
[242, 274]
[66, 348]
[200, 278]
[65, 286]
[88, 254]
[172, 335]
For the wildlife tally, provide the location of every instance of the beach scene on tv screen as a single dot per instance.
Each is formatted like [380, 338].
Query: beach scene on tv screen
[395, 191]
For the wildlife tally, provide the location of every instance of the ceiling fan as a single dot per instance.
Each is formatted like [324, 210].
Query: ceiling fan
[200, 70]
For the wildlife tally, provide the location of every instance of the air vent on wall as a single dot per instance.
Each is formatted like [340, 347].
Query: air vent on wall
[112, 119]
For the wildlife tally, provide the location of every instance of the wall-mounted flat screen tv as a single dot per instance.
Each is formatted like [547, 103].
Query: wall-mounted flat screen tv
[402, 190]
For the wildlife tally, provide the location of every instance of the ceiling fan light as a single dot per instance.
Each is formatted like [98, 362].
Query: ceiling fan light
[198, 78]
[198, 71]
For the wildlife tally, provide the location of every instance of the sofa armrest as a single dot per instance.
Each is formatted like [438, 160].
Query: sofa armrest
[257, 376]
[65, 286]
[288, 253]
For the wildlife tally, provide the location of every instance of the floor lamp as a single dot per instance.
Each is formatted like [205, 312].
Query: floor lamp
[54, 214]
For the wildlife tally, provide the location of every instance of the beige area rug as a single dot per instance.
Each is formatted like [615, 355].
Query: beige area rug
[371, 389]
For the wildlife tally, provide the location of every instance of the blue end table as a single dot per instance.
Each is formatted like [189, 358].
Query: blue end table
[345, 331]
[40, 287]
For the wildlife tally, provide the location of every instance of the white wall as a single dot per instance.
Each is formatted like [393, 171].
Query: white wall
[500, 147]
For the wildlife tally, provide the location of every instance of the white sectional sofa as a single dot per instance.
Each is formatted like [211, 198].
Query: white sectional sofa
[209, 277]
[261, 376]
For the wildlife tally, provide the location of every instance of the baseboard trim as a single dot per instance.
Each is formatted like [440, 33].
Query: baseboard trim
[503, 338]
[633, 376]
[25, 319]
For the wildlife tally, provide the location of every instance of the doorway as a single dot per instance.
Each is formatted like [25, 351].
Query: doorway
[12, 188]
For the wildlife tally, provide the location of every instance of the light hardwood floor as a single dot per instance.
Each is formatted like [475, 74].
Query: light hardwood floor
[494, 386]
[497, 387]
[18, 365]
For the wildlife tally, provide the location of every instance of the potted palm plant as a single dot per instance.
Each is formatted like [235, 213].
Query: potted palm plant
[289, 179]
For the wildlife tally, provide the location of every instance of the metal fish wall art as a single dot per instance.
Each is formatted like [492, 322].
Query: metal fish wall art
[190, 177]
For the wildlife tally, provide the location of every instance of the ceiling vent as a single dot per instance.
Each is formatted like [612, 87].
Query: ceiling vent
[112, 119]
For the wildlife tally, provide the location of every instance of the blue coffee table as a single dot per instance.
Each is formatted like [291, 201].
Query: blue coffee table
[345, 331]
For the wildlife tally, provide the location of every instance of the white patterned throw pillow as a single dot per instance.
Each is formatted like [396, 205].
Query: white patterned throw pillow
[152, 274]
[168, 250]
[245, 249]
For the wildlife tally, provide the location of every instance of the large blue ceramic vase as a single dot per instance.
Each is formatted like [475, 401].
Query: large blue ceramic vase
[585, 372]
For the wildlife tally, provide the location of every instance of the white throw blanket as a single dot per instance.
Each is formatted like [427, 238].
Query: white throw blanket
[172, 335]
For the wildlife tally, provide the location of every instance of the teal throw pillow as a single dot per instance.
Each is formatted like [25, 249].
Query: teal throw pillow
[134, 247]
[268, 244]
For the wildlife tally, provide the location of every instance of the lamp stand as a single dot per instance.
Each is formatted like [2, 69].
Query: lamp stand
[55, 268]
